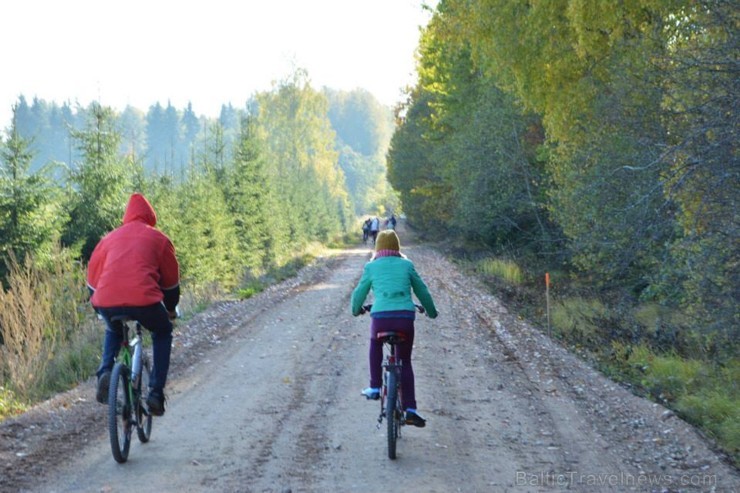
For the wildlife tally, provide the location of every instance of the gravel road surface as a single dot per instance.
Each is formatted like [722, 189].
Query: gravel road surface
[264, 397]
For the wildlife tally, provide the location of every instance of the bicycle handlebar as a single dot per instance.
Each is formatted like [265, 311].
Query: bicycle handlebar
[367, 308]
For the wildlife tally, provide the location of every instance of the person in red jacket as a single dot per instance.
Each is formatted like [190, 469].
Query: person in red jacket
[133, 271]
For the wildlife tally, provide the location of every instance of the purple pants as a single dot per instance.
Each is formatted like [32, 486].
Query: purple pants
[403, 353]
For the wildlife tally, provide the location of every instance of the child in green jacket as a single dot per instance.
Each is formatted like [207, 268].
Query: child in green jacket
[392, 278]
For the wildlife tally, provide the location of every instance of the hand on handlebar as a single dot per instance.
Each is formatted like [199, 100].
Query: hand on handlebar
[367, 308]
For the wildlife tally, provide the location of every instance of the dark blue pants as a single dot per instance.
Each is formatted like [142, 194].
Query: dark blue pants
[155, 319]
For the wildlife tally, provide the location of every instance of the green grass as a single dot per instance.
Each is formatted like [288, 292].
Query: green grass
[704, 394]
[9, 404]
[252, 289]
[576, 320]
[504, 270]
[666, 377]
[716, 411]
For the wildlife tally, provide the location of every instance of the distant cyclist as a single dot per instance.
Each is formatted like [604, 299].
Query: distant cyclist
[133, 271]
[374, 228]
[366, 230]
[392, 278]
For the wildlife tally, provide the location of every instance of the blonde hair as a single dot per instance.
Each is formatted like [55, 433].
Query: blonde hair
[387, 240]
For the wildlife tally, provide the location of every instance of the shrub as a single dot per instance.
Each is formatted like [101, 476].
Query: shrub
[505, 270]
[49, 343]
[716, 411]
[669, 377]
[701, 392]
[575, 319]
[9, 404]
[249, 291]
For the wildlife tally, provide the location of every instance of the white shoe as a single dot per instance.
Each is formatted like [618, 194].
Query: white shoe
[371, 394]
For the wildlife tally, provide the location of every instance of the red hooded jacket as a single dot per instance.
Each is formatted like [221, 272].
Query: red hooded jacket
[134, 263]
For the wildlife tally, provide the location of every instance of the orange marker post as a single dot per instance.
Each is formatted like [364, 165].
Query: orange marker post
[547, 301]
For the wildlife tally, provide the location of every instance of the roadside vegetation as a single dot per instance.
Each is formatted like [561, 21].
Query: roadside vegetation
[644, 346]
[255, 203]
[596, 142]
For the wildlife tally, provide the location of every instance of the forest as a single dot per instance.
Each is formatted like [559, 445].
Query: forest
[594, 141]
[295, 163]
[246, 198]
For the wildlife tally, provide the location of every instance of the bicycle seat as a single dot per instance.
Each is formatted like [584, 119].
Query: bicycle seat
[121, 318]
[391, 336]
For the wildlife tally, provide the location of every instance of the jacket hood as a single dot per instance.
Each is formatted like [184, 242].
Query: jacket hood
[139, 209]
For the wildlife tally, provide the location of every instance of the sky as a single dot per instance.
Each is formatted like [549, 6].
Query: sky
[207, 52]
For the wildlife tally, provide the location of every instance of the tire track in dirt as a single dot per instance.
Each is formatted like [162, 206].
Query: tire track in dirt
[293, 439]
[563, 447]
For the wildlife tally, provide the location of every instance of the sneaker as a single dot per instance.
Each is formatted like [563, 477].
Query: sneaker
[155, 402]
[414, 419]
[371, 394]
[103, 384]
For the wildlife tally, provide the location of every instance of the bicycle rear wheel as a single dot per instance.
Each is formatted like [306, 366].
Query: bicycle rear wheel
[143, 417]
[119, 413]
[391, 413]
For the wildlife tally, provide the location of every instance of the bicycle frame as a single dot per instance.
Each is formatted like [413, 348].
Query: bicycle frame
[125, 357]
[391, 405]
[136, 356]
[128, 356]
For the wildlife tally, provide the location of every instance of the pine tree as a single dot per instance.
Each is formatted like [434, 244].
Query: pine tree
[251, 201]
[28, 219]
[100, 183]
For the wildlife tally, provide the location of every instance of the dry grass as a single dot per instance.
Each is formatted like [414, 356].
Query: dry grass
[29, 341]
[49, 339]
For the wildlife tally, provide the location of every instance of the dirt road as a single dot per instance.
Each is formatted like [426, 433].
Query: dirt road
[264, 397]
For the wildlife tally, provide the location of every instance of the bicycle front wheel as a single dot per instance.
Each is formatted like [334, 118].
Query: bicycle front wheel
[392, 417]
[143, 416]
[119, 413]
